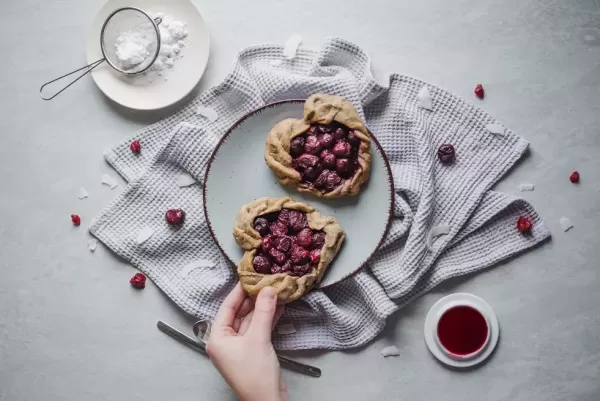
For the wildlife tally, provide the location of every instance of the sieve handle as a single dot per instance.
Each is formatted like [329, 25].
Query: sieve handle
[89, 67]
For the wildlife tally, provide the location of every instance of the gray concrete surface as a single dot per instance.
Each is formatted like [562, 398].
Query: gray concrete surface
[72, 329]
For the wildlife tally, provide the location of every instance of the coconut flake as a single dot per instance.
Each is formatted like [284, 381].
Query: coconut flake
[290, 48]
[495, 129]
[275, 63]
[566, 224]
[185, 180]
[92, 244]
[436, 231]
[108, 180]
[392, 350]
[525, 186]
[205, 263]
[425, 99]
[208, 112]
[285, 329]
[144, 234]
[82, 194]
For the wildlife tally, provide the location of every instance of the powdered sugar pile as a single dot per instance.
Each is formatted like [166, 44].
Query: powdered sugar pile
[172, 33]
[133, 47]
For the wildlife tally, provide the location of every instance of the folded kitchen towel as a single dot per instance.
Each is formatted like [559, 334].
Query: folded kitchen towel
[187, 265]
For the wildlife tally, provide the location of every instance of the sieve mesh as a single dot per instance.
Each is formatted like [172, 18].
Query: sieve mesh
[142, 33]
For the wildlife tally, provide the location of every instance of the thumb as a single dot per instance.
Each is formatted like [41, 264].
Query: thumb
[264, 313]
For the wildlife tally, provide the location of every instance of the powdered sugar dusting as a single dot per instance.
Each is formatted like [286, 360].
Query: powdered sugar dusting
[285, 329]
[290, 48]
[566, 223]
[185, 180]
[436, 232]
[425, 99]
[391, 350]
[197, 264]
[92, 244]
[108, 180]
[144, 234]
[495, 129]
[208, 112]
[82, 194]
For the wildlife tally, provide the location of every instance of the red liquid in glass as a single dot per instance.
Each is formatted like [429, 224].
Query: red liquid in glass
[462, 330]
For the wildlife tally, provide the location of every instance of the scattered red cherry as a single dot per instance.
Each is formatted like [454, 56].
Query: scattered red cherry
[135, 147]
[175, 217]
[574, 177]
[479, 92]
[138, 281]
[524, 225]
[446, 153]
[75, 219]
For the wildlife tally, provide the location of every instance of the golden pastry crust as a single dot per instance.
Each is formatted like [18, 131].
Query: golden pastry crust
[321, 109]
[289, 288]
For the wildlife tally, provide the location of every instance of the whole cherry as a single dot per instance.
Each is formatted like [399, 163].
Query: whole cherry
[446, 153]
[75, 219]
[135, 146]
[479, 92]
[138, 281]
[261, 264]
[524, 224]
[574, 177]
[175, 217]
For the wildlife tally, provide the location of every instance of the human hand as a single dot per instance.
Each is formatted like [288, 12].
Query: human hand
[240, 345]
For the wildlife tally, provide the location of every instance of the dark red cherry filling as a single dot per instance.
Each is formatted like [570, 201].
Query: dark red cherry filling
[288, 245]
[326, 155]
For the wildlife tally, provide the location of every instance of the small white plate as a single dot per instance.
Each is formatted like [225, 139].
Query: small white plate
[433, 317]
[237, 174]
[141, 92]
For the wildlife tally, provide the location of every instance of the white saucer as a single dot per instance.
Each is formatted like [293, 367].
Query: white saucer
[433, 317]
[141, 92]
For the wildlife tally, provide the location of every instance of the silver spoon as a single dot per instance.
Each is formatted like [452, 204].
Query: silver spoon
[202, 332]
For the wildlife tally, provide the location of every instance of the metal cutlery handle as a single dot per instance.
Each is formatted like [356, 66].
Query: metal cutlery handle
[299, 367]
[179, 336]
[201, 347]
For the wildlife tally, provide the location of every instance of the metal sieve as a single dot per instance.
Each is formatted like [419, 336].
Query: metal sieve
[123, 20]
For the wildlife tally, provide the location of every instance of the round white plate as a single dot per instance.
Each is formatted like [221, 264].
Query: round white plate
[146, 92]
[433, 317]
[237, 174]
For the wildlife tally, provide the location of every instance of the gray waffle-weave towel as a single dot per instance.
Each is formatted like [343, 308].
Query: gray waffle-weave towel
[352, 312]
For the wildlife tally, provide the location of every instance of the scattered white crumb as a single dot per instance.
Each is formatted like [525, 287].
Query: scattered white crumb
[144, 234]
[566, 224]
[82, 194]
[108, 180]
[208, 112]
[392, 350]
[436, 231]
[425, 99]
[276, 63]
[185, 180]
[285, 329]
[92, 244]
[200, 263]
[525, 186]
[495, 129]
[290, 48]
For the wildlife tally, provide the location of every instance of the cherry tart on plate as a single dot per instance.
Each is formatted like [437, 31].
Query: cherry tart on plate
[288, 246]
[327, 153]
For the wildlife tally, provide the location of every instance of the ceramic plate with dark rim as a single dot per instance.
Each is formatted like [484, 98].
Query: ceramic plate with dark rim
[237, 174]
